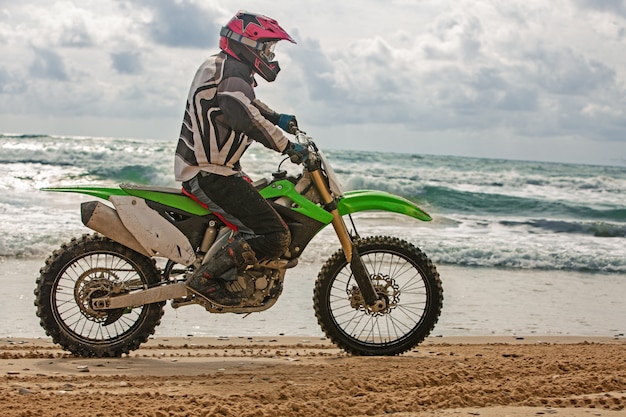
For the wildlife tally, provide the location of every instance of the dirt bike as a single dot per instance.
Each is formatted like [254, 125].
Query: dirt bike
[103, 294]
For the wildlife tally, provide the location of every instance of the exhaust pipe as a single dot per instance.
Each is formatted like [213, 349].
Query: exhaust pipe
[105, 220]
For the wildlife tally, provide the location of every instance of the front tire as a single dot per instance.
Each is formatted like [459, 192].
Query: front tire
[402, 275]
[87, 268]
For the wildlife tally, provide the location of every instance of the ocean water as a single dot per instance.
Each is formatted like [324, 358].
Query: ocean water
[522, 247]
[487, 213]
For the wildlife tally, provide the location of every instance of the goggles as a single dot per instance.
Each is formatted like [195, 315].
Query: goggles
[267, 50]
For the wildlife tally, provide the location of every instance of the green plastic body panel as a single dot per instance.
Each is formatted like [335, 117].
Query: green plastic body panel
[351, 202]
[364, 200]
[285, 188]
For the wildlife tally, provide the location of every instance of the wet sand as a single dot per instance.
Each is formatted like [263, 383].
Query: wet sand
[477, 302]
[294, 376]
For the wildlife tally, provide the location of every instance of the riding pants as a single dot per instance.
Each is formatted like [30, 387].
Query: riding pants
[239, 204]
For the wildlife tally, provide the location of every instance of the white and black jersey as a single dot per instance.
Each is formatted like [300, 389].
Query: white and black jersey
[222, 117]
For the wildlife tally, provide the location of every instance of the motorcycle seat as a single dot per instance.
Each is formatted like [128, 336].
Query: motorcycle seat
[165, 190]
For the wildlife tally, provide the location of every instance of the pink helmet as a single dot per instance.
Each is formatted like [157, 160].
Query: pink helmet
[251, 38]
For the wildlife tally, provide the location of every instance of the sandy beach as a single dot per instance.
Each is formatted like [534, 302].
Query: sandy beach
[288, 376]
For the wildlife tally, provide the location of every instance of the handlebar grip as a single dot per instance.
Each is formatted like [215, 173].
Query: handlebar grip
[292, 127]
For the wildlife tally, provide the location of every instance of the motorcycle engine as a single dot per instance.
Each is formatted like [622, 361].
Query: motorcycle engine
[254, 287]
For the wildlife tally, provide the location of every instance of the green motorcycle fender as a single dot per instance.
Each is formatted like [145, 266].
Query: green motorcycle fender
[364, 200]
[350, 202]
[167, 196]
[100, 192]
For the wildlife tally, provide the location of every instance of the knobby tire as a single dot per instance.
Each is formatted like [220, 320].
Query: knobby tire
[403, 274]
[94, 260]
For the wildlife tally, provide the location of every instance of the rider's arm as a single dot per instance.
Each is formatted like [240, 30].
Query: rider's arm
[266, 111]
[235, 97]
[281, 120]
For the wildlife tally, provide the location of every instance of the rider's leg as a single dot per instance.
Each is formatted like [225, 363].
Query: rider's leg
[236, 200]
[225, 265]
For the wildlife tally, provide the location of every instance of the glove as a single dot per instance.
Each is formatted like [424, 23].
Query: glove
[297, 153]
[288, 123]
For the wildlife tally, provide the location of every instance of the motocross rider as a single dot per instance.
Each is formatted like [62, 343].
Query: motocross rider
[222, 118]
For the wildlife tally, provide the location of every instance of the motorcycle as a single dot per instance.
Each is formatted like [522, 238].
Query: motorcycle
[103, 294]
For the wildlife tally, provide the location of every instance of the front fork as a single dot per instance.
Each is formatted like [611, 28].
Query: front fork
[359, 270]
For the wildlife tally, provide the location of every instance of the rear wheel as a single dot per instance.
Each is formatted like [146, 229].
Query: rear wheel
[87, 268]
[404, 278]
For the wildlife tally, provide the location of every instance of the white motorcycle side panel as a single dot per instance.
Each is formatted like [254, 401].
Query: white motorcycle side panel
[152, 231]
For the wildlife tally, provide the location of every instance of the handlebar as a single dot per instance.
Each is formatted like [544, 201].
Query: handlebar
[292, 127]
[304, 140]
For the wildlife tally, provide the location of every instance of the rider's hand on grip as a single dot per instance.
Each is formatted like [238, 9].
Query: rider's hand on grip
[292, 127]
[288, 123]
[297, 153]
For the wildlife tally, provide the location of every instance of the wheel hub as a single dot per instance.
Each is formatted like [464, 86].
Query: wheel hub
[388, 296]
[94, 283]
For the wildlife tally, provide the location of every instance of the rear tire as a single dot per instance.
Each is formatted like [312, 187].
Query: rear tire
[84, 269]
[402, 275]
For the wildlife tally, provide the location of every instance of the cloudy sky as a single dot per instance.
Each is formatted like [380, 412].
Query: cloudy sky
[519, 79]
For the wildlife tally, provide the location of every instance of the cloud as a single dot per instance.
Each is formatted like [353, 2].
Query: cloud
[48, 65]
[463, 72]
[608, 6]
[465, 68]
[181, 24]
[317, 71]
[10, 83]
[563, 71]
[454, 37]
[74, 33]
[127, 62]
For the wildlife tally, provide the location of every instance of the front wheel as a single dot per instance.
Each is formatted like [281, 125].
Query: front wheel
[403, 277]
[87, 268]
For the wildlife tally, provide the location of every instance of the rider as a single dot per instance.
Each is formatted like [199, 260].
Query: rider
[222, 118]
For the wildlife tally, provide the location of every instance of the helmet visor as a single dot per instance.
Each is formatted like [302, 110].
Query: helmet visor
[267, 50]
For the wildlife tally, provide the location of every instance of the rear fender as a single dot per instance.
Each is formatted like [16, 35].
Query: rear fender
[104, 219]
[100, 192]
[367, 200]
[152, 230]
[167, 196]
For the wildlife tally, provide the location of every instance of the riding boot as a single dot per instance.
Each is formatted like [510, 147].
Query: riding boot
[225, 265]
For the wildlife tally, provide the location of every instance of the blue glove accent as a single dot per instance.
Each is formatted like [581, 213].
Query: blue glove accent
[284, 119]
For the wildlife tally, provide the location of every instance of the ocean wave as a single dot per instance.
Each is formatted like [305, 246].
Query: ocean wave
[544, 253]
[23, 136]
[489, 213]
[448, 200]
[477, 258]
[596, 229]
[138, 174]
[90, 159]
[43, 162]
